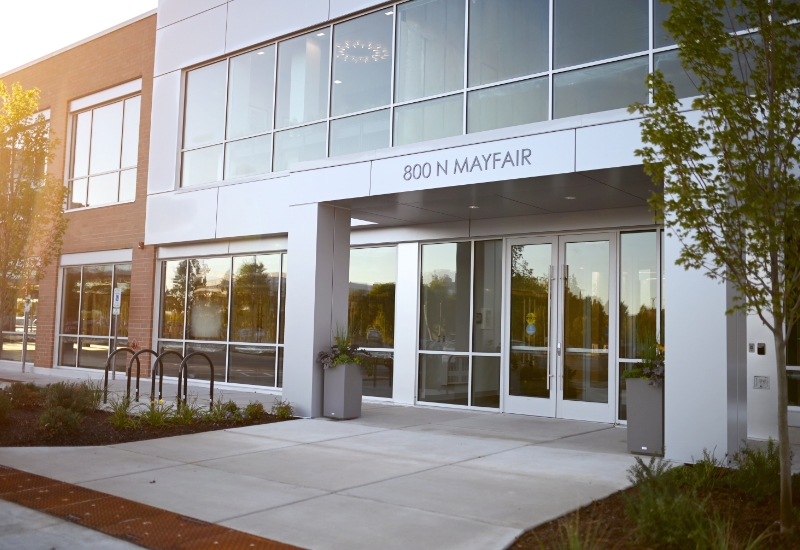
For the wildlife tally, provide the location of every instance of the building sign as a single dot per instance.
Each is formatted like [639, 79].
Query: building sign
[523, 157]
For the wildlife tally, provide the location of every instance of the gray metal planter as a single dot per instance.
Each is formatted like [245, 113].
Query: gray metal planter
[342, 391]
[645, 416]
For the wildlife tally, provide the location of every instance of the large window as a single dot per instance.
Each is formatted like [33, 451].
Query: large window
[641, 301]
[371, 314]
[231, 309]
[105, 151]
[417, 71]
[87, 325]
[13, 327]
[459, 326]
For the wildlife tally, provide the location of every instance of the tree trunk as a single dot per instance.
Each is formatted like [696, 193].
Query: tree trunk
[786, 515]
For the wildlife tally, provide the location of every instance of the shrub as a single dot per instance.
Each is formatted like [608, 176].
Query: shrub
[282, 409]
[188, 413]
[758, 473]
[578, 536]
[5, 407]
[254, 410]
[659, 496]
[157, 415]
[75, 397]
[57, 420]
[94, 388]
[220, 411]
[25, 395]
[121, 413]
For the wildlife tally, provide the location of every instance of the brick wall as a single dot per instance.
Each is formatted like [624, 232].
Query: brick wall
[109, 60]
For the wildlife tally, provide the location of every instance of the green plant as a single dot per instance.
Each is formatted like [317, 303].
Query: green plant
[652, 365]
[187, 413]
[94, 390]
[254, 410]
[578, 536]
[157, 415]
[707, 473]
[758, 472]
[69, 395]
[57, 420]
[720, 536]
[5, 407]
[282, 409]
[25, 395]
[342, 351]
[122, 413]
[223, 411]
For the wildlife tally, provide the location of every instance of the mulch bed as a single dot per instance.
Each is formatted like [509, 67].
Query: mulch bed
[22, 430]
[749, 518]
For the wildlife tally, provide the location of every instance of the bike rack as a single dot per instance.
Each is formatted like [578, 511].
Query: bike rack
[160, 366]
[184, 364]
[108, 365]
[138, 372]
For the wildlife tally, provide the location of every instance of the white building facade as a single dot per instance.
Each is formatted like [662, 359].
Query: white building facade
[453, 180]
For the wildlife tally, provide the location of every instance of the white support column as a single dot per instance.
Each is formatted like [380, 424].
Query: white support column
[705, 400]
[316, 298]
[406, 333]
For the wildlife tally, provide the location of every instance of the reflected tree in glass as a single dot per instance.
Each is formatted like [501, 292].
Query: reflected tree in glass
[372, 296]
[207, 299]
[530, 320]
[255, 298]
[445, 296]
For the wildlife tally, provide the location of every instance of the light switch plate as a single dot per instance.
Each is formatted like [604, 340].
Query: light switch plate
[761, 382]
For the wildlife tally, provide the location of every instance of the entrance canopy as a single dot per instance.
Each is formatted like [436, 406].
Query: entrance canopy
[620, 187]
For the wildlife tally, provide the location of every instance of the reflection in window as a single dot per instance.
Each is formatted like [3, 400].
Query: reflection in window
[445, 297]
[248, 157]
[87, 324]
[600, 88]
[207, 299]
[488, 296]
[362, 63]
[793, 377]
[299, 145]
[661, 37]
[202, 166]
[443, 379]
[360, 133]
[509, 105]
[378, 374]
[530, 320]
[591, 31]
[638, 293]
[430, 48]
[434, 119]
[254, 284]
[252, 82]
[372, 294]
[670, 65]
[105, 140]
[303, 79]
[254, 315]
[205, 105]
[485, 381]
[507, 39]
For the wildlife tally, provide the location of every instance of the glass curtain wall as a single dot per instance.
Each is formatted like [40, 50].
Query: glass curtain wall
[232, 309]
[416, 71]
[641, 305]
[460, 317]
[87, 325]
[370, 319]
[13, 327]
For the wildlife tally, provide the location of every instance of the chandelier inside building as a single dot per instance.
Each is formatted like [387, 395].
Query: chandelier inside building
[361, 52]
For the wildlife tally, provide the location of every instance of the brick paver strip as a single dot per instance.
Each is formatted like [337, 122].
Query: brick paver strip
[137, 523]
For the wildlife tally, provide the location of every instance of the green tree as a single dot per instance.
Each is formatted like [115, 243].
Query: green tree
[31, 201]
[730, 167]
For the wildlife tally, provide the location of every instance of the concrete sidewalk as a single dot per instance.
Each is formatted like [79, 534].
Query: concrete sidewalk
[398, 477]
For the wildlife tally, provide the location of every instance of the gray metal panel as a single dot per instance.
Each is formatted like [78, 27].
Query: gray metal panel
[253, 21]
[195, 219]
[172, 11]
[737, 375]
[164, 133]
[191, 41]
[345, 7]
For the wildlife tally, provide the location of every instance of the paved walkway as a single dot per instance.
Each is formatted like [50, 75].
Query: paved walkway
[398, 477]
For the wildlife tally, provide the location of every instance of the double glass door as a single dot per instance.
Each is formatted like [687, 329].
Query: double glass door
[561, 337]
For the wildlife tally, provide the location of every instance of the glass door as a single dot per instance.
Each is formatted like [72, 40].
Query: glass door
[530, 381]
[561, 327]
[585, 349]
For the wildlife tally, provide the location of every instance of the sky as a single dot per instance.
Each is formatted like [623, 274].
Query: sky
[35, 28]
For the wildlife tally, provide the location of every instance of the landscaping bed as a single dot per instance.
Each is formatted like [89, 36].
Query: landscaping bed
[700, 506]
[66, 414]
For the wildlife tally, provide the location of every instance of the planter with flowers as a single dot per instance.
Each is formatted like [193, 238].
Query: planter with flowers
[645, 397]
[343, 379]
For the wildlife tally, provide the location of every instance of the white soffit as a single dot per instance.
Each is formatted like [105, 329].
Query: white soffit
[106, 95]
[98, 257]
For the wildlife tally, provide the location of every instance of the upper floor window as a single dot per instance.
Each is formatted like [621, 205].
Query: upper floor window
[105, 150]
[420, 70]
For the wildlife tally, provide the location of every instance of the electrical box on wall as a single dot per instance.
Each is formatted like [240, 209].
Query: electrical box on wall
[761, 382]
[762, 349]
[751, 348]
